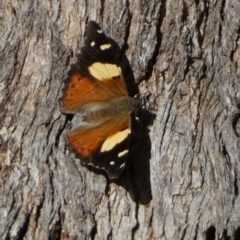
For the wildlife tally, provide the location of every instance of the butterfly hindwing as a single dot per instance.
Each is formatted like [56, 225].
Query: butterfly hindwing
[105, 146]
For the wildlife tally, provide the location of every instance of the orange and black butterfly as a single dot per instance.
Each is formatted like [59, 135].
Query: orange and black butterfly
[95, 89]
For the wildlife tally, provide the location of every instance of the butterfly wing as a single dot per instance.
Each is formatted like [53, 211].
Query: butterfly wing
[96, 76]
[104, 146]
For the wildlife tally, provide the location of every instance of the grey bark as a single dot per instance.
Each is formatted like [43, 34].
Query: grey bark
[184, 178]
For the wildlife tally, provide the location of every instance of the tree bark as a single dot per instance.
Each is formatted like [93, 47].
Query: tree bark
[183, 177]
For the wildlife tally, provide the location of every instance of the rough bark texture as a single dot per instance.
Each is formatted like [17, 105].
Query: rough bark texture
[183, 181]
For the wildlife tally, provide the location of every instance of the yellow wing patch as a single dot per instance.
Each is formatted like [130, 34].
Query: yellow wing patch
[115, 139]
[103, 71]
[122, 153]
[105, 46]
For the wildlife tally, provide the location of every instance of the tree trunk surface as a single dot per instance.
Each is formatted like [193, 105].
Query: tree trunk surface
[183, 181]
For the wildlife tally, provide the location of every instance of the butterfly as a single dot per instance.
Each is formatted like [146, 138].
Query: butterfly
[95, 90]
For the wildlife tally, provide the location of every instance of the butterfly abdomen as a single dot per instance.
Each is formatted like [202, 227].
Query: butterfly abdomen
[99, 113]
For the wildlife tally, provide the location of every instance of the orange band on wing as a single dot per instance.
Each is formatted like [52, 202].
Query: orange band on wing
[84, 140]
[80, 91]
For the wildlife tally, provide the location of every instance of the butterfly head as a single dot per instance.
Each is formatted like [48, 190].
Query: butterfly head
[136, 103]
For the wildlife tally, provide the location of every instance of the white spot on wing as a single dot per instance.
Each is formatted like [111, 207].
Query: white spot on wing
[92, 43]
[115, 139]
[105, 46]
[122, 153]
[99, 31]
[112, 163]
[103, 71]
[122, 165]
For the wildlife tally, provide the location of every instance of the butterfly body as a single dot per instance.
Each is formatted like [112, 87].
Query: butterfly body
[95, 91]
[98, 112]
